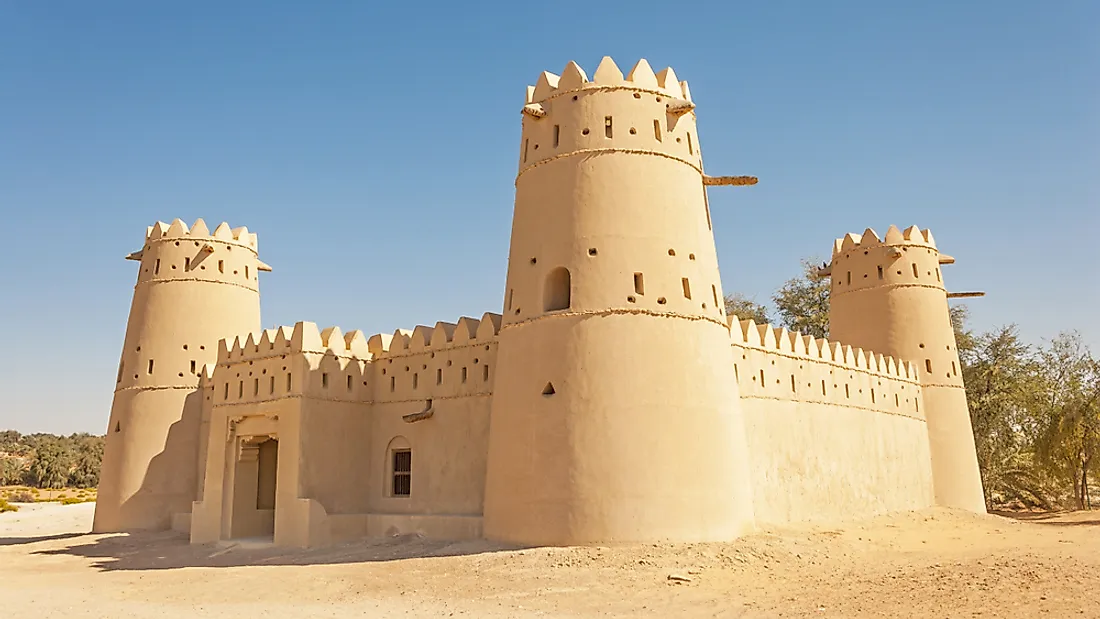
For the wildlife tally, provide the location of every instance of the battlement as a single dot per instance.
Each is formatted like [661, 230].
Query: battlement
[767, 337]
[198, 230]
[302, 337]
[443, 335]
[894, 237]
[608, 75]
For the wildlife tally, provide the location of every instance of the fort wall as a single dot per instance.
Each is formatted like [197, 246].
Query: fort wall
[833, 432]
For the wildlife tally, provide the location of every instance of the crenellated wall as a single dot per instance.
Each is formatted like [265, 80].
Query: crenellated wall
[338, 404]
[833, 431]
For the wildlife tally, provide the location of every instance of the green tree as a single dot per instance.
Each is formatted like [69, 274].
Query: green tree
[745, 308]
[803, 302]
[50, 467]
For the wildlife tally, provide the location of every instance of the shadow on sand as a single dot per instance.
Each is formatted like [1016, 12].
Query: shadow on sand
[1055, 519]
[17, 541]
[172, 550]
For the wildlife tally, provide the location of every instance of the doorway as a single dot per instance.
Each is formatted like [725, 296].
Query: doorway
[254, 489]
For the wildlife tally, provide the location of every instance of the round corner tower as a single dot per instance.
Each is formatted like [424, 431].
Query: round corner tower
[888, 296]
[615, 415]
[193, 288]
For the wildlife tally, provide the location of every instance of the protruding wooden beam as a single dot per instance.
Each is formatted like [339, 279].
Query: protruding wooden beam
[714, 181]
[945, 259]
[135, 256]
[964, 295]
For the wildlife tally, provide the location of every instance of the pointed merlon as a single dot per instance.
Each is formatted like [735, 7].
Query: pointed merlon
[893, 235]
[572, 77]
[928, 238]
[530, 95]
[223, 232]
[545, 86]
[608, 73]
[850, 240]
[666, 79]
[869, 238]
[642, 75]
[913, 233]
[534, 110]
[737, 181]
[687, 91]
[199, 228]
[178, 228]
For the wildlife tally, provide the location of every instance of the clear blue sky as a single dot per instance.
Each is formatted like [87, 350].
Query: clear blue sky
[373, 145]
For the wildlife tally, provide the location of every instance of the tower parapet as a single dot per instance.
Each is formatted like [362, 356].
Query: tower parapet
[612, 258]
[888, 295]
[194, 287]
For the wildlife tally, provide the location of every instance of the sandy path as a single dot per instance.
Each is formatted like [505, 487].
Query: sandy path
[929, 564]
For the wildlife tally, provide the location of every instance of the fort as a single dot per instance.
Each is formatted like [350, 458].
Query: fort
[610, 400]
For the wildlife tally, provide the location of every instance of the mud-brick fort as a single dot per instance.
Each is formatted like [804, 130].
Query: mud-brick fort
[611, 399]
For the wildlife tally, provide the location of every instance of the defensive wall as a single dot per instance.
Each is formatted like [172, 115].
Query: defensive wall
[833, 431]
[339, 406]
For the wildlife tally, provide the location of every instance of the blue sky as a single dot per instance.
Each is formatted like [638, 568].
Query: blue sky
[373, 146]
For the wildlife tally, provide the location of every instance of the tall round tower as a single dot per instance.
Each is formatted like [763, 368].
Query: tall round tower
[888, 296]
[193, 289]
[615, 413]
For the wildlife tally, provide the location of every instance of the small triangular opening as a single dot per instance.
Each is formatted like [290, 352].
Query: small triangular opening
[548, 389]
[118, 427]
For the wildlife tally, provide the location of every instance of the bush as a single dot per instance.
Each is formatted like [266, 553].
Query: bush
[7, 507]
[22, 496]
[75, 500]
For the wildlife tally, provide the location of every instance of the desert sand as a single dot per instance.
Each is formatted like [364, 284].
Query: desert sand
[934, 563]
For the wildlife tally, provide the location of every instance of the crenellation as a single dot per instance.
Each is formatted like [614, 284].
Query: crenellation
[563, 419]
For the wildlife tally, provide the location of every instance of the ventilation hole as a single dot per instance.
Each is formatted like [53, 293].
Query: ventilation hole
[639, 284]
[823, 388]
[585, 132]
[592, 251]
[633, 131]
[954, 371]
[574, 97]
[536, 146]
[631, 299]
[761, 378]
[637, 95]
[548, 389]
[691, 256]
[181, 374]
[793, 388]
[672, 252]
[661, 301]
[534, 260]
[255, 386]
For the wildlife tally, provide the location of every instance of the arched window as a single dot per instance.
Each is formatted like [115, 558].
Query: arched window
[399, 467]
[557, 293]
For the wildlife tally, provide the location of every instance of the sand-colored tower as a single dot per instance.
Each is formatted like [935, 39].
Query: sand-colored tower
[888, 296]
[193, 288]
[615, 414]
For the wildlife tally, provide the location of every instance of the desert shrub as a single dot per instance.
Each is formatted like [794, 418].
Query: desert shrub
[7, 507]
[75, 500]
[22, 496]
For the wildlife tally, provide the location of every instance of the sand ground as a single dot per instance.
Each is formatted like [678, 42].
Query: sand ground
[934, 563]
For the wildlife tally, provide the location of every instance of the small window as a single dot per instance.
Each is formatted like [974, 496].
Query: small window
[687, 287]
[639, 283]
[607, 126]
[548, 389]
[393, 383]
[556, 295]
[225, 396]
[118, 427]
[150, 370]
[557, 134]
[761, 378]
[221, 266]
[485, 373]
[416, 380]
[463, 374]
[526, 142]
[823, 387]
[324, 379]
[847, 394]
[246, 271]
[121, 365]
[288, 383]
[691, 151]
[439, 376]
[657, 129]
[240, 389]
[156, 267]
[349, 382]
[192, 366]
[402, 472]
[849, 278]
[793, 388]
[271, 387]
[880, 272]
[186, 264]
[714, 291]
[511, 293]
[928, 365]
[915, 274]
[954, 371]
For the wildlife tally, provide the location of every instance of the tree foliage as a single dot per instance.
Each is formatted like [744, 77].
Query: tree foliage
[50, 461]
[745, 308]
[803, 302]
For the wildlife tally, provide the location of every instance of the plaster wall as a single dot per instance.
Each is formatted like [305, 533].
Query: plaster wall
[613, 409]
[888, 294]
[833, 432]
[183, 303]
